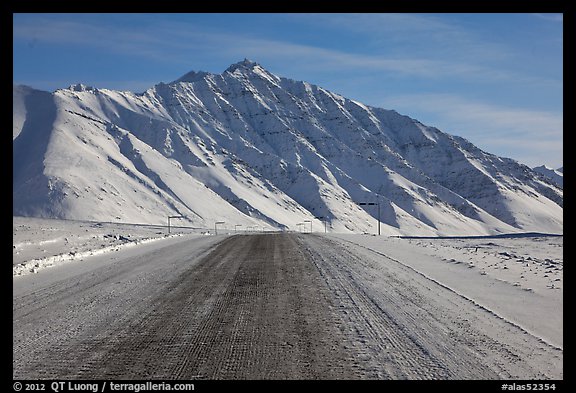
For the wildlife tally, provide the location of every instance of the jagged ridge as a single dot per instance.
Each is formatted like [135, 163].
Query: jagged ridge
[254, 149]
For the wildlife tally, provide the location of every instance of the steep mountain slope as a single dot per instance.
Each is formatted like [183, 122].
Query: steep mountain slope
[249, 148]
[556, 176]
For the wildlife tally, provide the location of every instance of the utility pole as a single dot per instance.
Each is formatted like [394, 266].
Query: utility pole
[373, 204]
[325, 222]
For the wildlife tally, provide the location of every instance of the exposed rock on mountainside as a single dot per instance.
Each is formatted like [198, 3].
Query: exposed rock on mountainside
[250, 148]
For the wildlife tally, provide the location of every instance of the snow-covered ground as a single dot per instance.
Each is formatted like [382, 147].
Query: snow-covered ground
[497, 294]
[519, 279]
[40, 243]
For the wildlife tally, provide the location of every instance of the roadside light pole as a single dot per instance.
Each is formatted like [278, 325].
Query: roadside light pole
[170, 217]
[310, 224]
[372, 204]
[215, 224]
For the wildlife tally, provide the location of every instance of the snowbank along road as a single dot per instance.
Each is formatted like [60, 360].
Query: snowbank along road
[269, 306]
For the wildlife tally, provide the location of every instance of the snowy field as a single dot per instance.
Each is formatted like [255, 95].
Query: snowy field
[40, 243]
[492, 297]
[519, 279]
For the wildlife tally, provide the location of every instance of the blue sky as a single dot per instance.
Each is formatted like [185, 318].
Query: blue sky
[494, 79]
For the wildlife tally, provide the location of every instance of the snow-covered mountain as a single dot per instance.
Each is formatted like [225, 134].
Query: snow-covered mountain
[250, 148]
[556, 176]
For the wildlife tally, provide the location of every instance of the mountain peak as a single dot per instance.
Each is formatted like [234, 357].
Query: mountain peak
[248, 147]
[192, 76]
[251, 69]
[79, 87]
[554, 175]
[244, 64]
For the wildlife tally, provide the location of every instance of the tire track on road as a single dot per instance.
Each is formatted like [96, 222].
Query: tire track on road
[263, 306]
[252, 308]
[442, 334]
[398, 351]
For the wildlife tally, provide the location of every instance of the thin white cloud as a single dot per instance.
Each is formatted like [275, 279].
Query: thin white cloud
[429, 35]
[111, 38]
[551, 17]
[180, 43]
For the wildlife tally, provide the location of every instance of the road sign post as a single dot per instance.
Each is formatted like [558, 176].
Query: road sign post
[215, 224]
[170, 217]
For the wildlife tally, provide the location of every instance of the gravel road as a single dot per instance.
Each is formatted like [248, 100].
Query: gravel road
[269, 306]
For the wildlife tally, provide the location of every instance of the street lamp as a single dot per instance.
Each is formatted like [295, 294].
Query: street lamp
[169, 217]
[372, 204]
[310, 224]
[216, 223]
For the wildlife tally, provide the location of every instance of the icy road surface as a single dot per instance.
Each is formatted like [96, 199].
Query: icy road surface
[267, 306]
